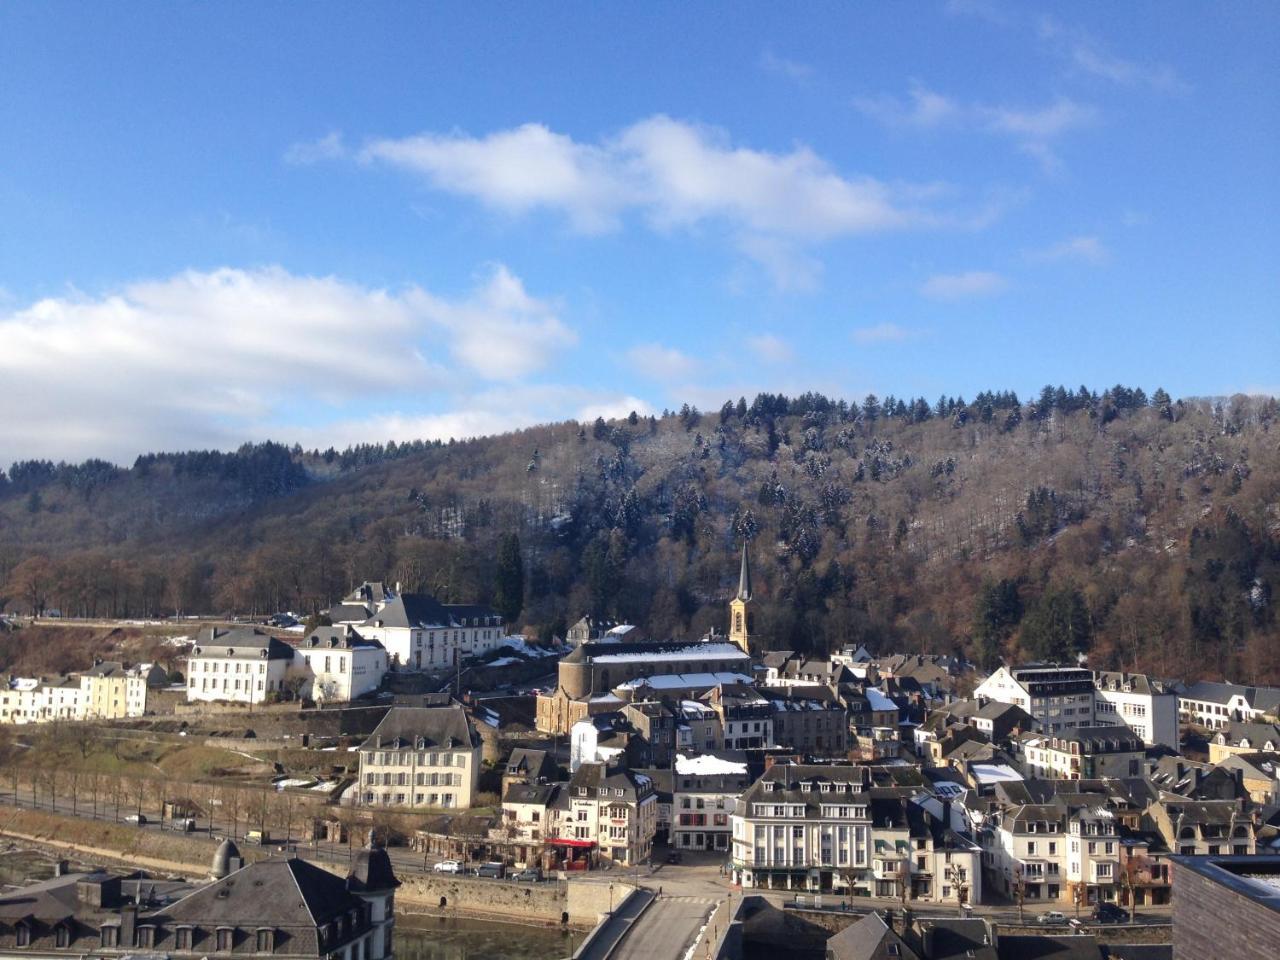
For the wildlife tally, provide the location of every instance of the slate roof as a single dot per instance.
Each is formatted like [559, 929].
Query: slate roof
[1077, 947]
[1266, 699]
[781, 783]
[530, 763]
[342, 637]
[290, 894]
[417, 727]
[543, 794]
[593, 776]
[868, 939]
[240, 643]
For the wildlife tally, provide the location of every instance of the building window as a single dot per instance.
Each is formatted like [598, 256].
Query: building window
[266, 941]
[62, 936]
[225, 939]
[183, 938]
[110, 936]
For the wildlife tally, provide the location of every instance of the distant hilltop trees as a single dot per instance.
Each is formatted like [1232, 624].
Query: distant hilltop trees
[1130, 527]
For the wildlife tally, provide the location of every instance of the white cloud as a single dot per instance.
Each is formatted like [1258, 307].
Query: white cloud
[657, 362]
[960, 286]
[923, 108]
[676, 175]
[499, 332]
[613, 409]
[1086, 55]
[791, 69]
[213, 358]
[516, 171]
[1087, 248]
[770, 348]
[1039, 125]
[1032, 129]
[881, 333]
[328, 147]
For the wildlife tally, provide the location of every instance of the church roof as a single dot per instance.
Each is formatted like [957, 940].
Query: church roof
[744, 575]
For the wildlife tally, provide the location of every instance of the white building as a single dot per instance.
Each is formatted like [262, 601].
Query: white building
[804, 827]
[1144, 705]
[337, 664]
[1055, 697]
[238, 665]
[418, 631]
[704, 795]
[106, 691]
[1215, 705]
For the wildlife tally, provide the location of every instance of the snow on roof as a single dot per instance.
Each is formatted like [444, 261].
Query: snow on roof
[878, 700]
[694, 651]
[674, 680]
[995, 772]
[706, 765]
[606, 698]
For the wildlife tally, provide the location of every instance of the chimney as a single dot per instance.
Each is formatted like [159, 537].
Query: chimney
[128, 924]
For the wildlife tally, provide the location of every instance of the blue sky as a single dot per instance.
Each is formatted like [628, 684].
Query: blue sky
[335, 223]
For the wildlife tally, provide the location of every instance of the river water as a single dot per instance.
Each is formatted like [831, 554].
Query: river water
[417, 938]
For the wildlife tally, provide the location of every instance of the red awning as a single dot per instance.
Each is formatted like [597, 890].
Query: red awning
[571, 843]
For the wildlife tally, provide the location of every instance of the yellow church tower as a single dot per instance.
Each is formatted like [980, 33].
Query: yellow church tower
[741, 616]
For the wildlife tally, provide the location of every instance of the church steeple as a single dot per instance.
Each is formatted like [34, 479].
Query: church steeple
[741, 616]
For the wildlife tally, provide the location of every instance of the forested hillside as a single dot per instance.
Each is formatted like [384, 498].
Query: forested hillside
[1142, 531]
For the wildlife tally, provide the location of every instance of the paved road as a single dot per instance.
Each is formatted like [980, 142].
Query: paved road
[667, 929]
[619, 924]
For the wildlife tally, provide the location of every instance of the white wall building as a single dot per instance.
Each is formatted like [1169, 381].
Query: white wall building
[1056, 697]
[337, 664]
[1215, 705]
[804, 827]
[239, 665]
[418, 631]
[1144, 705]
[106, 691]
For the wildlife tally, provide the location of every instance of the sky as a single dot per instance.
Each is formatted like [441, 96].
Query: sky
[339, 223]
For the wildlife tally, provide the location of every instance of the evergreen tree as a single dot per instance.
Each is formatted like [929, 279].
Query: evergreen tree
[508, 593]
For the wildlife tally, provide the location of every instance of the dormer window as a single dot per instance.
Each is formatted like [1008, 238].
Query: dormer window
[183, 938]
[22, 934]
[110, 936]
[266, 940]
[62, 936]
[146, 936]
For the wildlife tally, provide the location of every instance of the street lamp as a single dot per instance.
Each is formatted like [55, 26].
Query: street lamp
[611, 898]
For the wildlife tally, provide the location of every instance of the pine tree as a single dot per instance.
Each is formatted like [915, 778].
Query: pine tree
[509, 578]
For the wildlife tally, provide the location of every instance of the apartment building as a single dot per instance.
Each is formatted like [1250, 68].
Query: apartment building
[809, 720]
[804, 827]
[746, 717]
[1204, 827]
[107, 691]
[705, 792]
[1024, 851]
[1083, 753]
[921, 846]
[612, 809]
[1055, 697]
[420, 757]
[1147, 706]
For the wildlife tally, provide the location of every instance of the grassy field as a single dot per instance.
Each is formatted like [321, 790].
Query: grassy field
[99, 750]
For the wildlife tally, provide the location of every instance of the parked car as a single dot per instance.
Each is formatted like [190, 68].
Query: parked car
[1053, 918]
[494, 871]
[527, 875]
[448, 866]
[257, 836]
[1110, 913]
[139, 818]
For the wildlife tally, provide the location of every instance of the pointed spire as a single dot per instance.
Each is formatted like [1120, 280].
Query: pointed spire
[744, 578]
